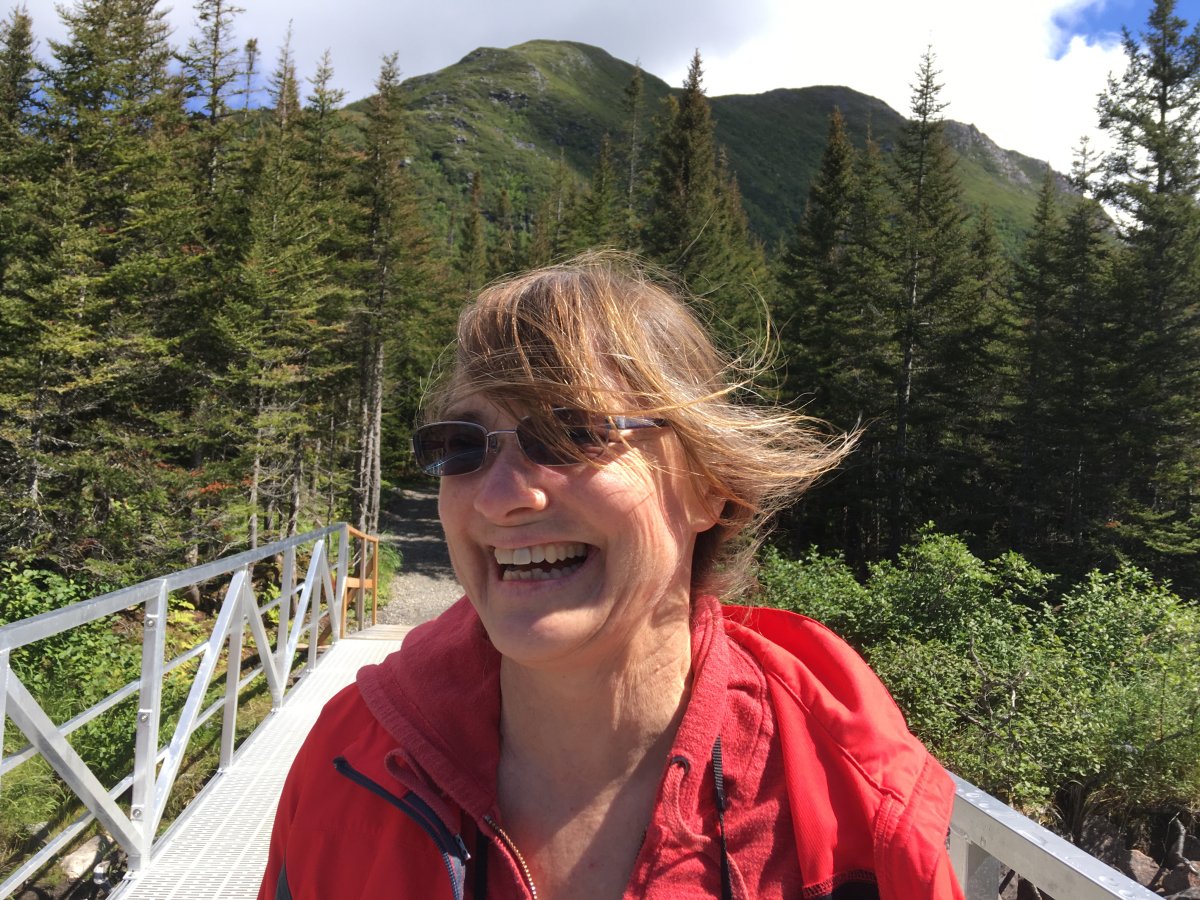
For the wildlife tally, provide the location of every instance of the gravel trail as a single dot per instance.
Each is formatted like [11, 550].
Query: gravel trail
[425, 584]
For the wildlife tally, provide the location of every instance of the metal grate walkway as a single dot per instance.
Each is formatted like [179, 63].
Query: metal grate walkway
[218, 847]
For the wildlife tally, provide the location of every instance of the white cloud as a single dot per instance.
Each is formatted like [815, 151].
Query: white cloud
[997, 64]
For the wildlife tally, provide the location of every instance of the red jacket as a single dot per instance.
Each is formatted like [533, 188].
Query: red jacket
[393, 793]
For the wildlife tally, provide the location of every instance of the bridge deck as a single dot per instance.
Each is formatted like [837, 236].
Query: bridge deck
[218, 848]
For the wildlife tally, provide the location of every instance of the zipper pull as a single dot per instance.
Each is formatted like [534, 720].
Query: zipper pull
[462, 847]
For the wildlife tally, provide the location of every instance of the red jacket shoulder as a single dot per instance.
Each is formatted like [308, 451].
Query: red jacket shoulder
[870, 793]
[325, 820]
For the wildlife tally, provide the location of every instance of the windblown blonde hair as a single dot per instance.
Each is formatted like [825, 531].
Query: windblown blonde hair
[604, 333]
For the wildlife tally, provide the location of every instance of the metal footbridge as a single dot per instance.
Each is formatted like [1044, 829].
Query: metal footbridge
[283, 621]
[218, 848]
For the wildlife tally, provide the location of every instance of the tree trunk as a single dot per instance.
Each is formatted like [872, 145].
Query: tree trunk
[903, 404]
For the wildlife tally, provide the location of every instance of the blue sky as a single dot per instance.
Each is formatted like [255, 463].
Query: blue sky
[1027, 72]
[1103, 21]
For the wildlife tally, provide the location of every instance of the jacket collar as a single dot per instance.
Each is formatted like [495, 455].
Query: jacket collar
[438, 698]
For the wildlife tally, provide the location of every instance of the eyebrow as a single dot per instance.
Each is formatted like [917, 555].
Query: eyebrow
[463, 415]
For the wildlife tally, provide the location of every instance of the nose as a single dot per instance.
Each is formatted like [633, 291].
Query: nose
[511, 484]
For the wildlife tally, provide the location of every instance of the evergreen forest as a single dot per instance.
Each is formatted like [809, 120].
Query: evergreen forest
[223, 289]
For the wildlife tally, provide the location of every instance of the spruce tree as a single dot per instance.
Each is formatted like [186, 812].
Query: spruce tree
[112, 208]
[272, 322]
[933, 311]
[503, 255]
[1037, 287]
[597, 220]
[695, 225]
[21, 169]
[819, 320]
[400, 320]
[634, 100]
[1088, 363]
[22, 159]
[810, 316]
[472, 262]
[549, 237]
[210, 68]
[1152, 178]
[974, 359]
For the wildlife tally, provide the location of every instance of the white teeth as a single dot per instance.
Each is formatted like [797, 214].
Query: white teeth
[550, 553]
[538, 574]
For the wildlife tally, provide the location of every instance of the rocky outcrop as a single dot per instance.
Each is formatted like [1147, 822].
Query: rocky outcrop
[1007, 164]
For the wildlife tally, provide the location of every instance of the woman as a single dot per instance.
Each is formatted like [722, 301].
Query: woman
[589, 721]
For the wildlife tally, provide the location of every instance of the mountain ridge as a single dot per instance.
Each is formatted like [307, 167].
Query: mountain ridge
[521, 114]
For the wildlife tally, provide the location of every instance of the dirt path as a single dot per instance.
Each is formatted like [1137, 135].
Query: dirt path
[425, 584]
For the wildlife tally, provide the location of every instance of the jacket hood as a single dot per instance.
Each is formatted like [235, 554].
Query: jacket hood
[439, 698]
[866, 799]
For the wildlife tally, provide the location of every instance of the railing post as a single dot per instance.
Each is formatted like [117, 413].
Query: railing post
[314, 606]
[977, 870]
[145, 767]
[343, 566]
[4, 670]
[287, 591]
[233, 670]
[359, 607]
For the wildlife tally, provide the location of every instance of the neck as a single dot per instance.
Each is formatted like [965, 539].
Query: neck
[598, 723]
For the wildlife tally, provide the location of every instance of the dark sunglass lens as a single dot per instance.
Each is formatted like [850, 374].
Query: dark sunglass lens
[574, 437]
[450, 448]
[551, 451]
[586, 432]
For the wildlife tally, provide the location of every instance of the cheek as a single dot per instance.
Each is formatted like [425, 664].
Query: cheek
[453, 504]
[687, 504]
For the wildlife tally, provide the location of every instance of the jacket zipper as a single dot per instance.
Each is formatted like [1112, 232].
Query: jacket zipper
[512, 848]
[450, 845]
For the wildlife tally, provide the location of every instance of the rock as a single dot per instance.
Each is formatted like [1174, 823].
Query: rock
[80, 862]
[1179, 879]
[1103, 840]
[1189, 894]
[1027, 891]
[1010, 889]
[1138, 866]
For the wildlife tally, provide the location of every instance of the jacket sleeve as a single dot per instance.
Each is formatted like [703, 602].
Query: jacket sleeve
[271, 888]
[309, 777]
[912, 857]
[866, 795]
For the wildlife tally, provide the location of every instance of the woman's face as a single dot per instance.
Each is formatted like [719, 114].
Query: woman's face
[574, 565]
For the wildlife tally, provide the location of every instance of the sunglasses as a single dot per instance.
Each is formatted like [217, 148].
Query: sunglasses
[570, 437]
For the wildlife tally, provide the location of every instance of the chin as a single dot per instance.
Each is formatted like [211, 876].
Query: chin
[538, 640]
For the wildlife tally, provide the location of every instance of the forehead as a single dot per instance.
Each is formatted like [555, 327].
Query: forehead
[534, 391]
[478, 408]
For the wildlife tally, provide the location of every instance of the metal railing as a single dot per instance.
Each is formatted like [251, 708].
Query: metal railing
[133, 808]
[366, 581]
[985, 834]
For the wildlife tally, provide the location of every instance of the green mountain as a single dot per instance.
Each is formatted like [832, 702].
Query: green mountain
[523, 115]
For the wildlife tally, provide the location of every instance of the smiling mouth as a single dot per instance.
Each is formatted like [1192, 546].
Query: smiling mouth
[540, 562]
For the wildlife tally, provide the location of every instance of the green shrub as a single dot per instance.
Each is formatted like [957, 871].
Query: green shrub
[1063, 703]
[66, 673]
